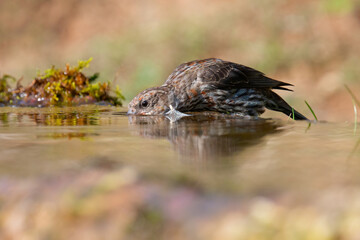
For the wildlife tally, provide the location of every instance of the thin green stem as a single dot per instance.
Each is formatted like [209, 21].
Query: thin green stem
[308, 127]
[355, 102]
[311, 110]
[352, 95]
[355, 117]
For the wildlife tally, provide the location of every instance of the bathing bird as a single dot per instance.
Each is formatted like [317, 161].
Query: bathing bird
[214, 85]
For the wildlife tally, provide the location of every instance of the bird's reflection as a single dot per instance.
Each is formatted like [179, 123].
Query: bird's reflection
[205, 136]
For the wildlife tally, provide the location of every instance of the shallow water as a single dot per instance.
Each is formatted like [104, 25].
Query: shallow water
[219, 159]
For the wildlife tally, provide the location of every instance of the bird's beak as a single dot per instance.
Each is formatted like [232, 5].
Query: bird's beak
[131, 111]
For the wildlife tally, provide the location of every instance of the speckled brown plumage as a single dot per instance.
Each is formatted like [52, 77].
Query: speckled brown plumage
[214, 85]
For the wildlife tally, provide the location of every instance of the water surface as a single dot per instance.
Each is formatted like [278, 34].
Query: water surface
[197, 169]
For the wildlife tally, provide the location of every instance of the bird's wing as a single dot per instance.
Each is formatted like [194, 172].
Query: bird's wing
[227, 75]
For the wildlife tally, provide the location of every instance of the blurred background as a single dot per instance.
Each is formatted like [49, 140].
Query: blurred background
[314, 45]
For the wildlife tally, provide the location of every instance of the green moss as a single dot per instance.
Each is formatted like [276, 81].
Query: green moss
[5, 90]
[60, 87]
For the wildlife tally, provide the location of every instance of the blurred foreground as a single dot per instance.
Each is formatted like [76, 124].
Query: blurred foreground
[93, 173]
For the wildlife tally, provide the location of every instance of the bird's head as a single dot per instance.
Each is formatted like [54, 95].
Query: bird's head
[152, 101]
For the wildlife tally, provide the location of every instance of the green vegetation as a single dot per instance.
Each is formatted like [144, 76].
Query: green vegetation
[57, 87]
[355, 117]
[5, 90]
[355, 102]
[311, 110]
[354, 98]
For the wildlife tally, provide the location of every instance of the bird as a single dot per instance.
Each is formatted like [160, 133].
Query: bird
[214, 85]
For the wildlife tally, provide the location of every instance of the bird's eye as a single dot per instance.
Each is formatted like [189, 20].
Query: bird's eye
[144, 103]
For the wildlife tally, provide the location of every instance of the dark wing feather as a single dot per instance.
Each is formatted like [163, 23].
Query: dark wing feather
[227, 75]
[258, 79]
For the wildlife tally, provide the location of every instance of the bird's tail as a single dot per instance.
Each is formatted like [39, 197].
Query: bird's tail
[276, 103]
